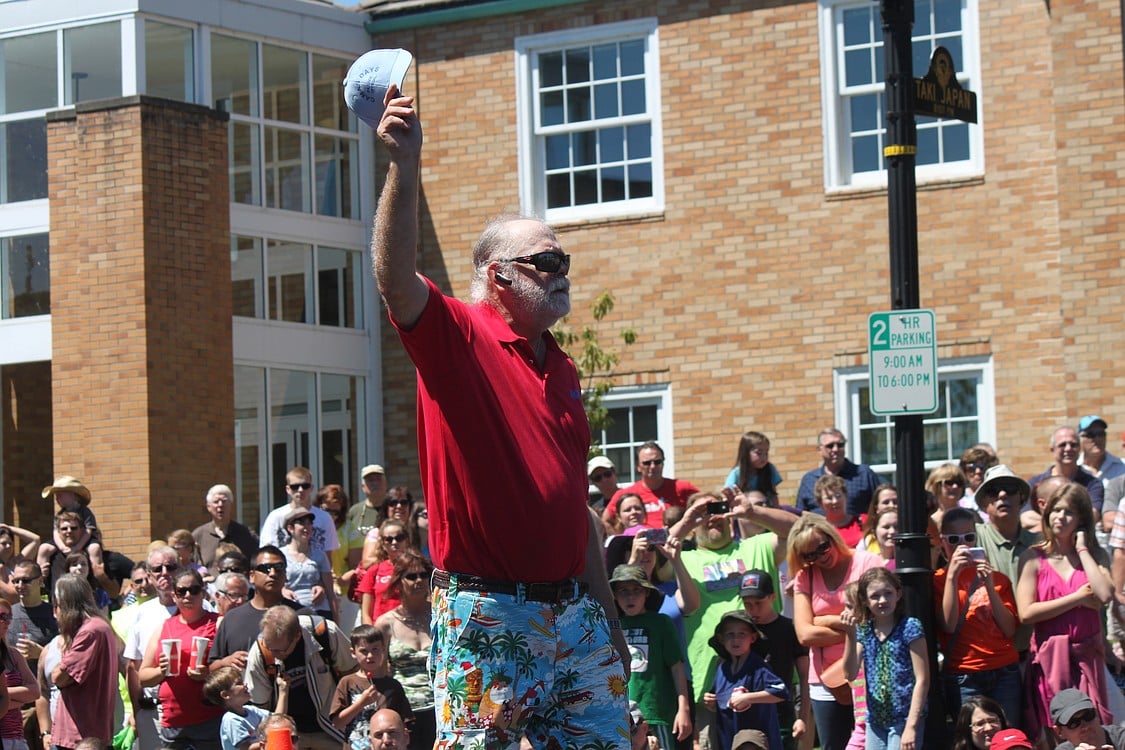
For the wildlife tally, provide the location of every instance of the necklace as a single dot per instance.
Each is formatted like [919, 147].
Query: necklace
[413, 620]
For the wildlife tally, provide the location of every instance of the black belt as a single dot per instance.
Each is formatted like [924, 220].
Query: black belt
[546, 593]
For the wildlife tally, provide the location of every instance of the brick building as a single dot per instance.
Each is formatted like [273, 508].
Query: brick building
[715, 165]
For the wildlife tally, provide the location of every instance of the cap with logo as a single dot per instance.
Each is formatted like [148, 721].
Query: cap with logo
[756, 583]
[370, 77]
[1006, 739]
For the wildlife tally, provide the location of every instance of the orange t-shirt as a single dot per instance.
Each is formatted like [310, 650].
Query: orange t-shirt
[980, 644]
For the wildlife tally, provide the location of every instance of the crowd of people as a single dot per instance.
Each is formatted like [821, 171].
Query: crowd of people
[1025, 610]
[659, 616]
[750, 622]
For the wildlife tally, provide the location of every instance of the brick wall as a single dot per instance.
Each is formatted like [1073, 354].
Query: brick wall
[27, 443]
[754, 284]
[142, 366]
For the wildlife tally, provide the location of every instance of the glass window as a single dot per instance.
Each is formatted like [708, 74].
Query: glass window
[277, 160]
[234, 75]
[292, 420]
[92, 62]
[286, 418]
[337, 179]
[341, 406]
[286, 156]
[245, 172]
[293, 292]
[594, 117]
[329, 109]
[338, 276]
[25, 262]
[636, 416]
[284, 85]
[246, 276]
[23, 160]
[964, 417]
[290, 278]
[169, 61]
[249, 429]
[30, 68]
[853, 73]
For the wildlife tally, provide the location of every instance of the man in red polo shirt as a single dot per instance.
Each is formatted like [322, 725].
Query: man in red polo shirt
[521, 642]
[656, 490]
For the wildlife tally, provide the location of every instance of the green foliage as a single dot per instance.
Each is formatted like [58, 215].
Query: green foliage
[595, 363]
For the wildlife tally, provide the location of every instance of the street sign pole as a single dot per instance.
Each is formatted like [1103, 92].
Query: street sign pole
[912, 544]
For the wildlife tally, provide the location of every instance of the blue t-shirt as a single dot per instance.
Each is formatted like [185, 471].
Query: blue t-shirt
[735, 477]
[754, 676]
[889, 671]
[235, 730]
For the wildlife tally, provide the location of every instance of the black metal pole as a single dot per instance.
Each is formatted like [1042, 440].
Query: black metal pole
[912, 544]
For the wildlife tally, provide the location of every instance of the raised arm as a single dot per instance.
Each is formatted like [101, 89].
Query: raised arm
[394, 238]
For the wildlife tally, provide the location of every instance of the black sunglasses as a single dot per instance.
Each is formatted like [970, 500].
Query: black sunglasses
[394, 538]
[601, 475]
[232, 570]
[1081, 718]
[163, 568]
[653, 462]
[195, 590]
[398, 501]
[414, 576]
[267, 568]
[818, 552]
[548, 262]
[21, 580]
[300, 486]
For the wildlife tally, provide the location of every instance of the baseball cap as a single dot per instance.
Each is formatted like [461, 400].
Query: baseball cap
[1067, 703]
[1006, 739]
[1089, 421]
[371, 469]
[756, 582]
[599, 462]
[368, 79]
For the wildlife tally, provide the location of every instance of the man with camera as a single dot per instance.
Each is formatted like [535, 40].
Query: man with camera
[494, 386]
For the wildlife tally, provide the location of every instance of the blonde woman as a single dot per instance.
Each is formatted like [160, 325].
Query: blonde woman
[824, 565]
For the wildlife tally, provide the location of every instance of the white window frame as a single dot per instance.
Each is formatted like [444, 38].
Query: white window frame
[531, 149]
[848, 381]
[659, 396]
[838, 174]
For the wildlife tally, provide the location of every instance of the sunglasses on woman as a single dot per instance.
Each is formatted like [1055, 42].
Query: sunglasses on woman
[194, 590]
[817, 552]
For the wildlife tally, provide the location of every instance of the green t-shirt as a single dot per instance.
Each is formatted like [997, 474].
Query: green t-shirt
[654, 648]
[718, 575]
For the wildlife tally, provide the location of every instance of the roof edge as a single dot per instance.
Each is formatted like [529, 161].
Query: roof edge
[423, 18]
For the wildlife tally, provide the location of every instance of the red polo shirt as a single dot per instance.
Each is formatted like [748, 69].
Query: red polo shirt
[502, 446]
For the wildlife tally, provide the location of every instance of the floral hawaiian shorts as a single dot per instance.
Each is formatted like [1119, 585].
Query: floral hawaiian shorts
[503, 667]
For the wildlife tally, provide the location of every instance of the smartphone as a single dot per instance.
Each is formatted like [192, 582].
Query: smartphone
[656, 536]
[977, 554]
[718, 507]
